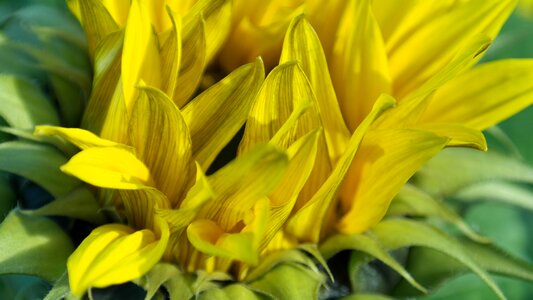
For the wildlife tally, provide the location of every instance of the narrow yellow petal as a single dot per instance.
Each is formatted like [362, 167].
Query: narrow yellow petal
[83, 139]
[217, 16]
[109, 167]
[114, 254]
[217, 114]
[415, 52]
[359, 64]
[193, 60]
[307, 223]
[161, 139]
[459, 135]
[118, 9]
[384, 163]
[302, 155]
[483, 96]
[104, 95]
[141, 205]
[96, 20]
[140, 56]
[171, 56]
[409, 110]
[302, 44]
[241, 183]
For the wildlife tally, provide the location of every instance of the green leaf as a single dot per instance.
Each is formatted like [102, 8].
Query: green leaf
[290, 281]
[400, 233]
[366, 297]
[8, 199]
[233, 291]
[33, 246]
[24, 105]
[414, 202]
[38, 163]
[80, 203]
[498, 192]
[60, 288]
[366, 245]
[457, 168]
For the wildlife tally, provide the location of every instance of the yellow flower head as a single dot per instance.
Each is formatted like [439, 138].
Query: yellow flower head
[309, 164]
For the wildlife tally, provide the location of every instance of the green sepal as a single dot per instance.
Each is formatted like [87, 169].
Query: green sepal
[498, 191]
[79, 203]
[366, 297]
[457, 168]
[416, 203]
[367, 245]
[290, 281]
[400, 233]
[8, 198]
[433, 267]
[60, 289]
[230, 292]
[276, 258]
[33, 246]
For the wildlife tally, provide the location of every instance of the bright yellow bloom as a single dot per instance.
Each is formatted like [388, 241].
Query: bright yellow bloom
[421, 53]
[302, 146]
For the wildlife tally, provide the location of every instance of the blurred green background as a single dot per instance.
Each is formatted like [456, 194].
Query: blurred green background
[509, 226]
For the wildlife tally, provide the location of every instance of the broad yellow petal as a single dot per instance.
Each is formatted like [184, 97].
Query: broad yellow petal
[161, 139]
[325, 17]
[140, 57]
[109, 167]
[140, 205]
[385, 161]
[419, 50]
[483, 96]
[216, 115]
[307, 224]
[114, 254]
[359, 64]
[302, 44]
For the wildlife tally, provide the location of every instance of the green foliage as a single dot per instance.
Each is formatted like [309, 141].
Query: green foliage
[33, 246]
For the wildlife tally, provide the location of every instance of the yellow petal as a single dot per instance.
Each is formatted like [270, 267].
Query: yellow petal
[105, 100]
[96, 20]
[140, 57]
[285, 90]
[325, 17]
[109, 167]
[118, 9]
[483, 96]
[302, 155]
[430, 35]
[171, 56]
[162, 141]
[208, 237]
[114, 254]
[217, 16]
[199, 194]
[140, 205]
[83, 139]
[307, 223]
[409, 110]
[459, 135]
[241, 183]
[384, 163]
[301, 44]
[359, 65]
[217, 114]
[193, 60]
